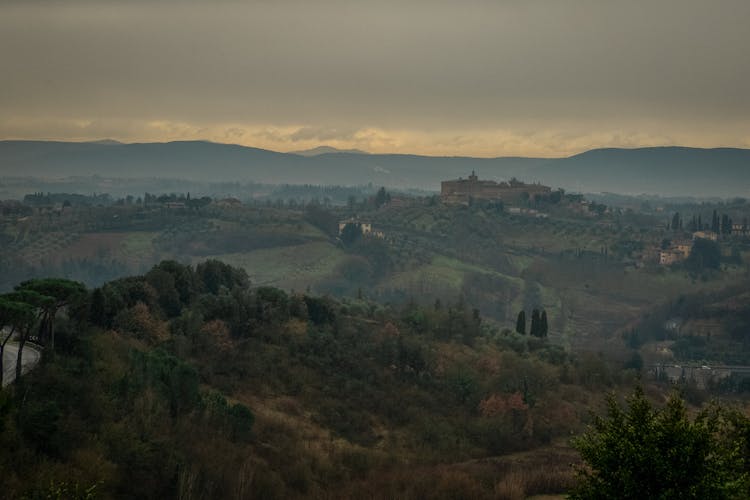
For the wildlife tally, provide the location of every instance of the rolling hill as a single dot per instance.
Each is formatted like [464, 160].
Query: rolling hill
[671, 171]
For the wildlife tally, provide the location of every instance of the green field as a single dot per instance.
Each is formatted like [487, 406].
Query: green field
[292, 267]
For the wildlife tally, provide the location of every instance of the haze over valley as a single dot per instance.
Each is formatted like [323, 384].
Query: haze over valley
[666, 171]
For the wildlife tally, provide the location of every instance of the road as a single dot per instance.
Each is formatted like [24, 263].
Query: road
[31, 356]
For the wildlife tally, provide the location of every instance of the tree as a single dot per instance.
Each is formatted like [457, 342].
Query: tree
[164, 284]
[705, 254]
[693, 226]
[213, 274]
[521, 323]
[351, 233]
[715, 222]
[676, 221]
[381, 198]
[14, 315]
[543, 326]
[62, 292]
[726, 224]
[98, 309]
[183, 276]
[643, 452]
[38, 304]
[535, 323]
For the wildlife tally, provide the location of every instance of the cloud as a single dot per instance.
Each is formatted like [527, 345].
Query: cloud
[477, 142]
[321, 134]
[475, 77]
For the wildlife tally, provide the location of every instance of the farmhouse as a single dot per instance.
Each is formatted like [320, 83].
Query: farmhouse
[365, 227]
[464, 191]
[706, 235]
[683, 247]
[670, 256]
[228, 203]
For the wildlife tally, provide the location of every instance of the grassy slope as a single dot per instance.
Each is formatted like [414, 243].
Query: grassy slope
[291, 267]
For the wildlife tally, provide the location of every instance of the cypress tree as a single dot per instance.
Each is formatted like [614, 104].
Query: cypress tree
[726, 224]
[535, 323]
[544, 327]
[521, 323]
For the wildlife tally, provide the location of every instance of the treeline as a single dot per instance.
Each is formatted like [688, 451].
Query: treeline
[539, 326]
[721, 224]
[67, 199]
[302, 194]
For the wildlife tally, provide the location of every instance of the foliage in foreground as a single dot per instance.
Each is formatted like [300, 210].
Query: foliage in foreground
[643, 452]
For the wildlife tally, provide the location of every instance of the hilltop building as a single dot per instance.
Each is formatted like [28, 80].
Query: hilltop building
[464, 191]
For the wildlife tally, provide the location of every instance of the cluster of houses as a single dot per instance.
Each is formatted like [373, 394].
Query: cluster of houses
[364, 227]
[531, 212]
[679, 249]
[742, 229]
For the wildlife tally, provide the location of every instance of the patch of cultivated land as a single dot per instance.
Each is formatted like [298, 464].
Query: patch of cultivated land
[442, 275]
[290, 267]
[131, 247]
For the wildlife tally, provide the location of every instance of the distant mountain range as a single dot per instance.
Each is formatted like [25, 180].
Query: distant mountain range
[668, 171]
[320, 150]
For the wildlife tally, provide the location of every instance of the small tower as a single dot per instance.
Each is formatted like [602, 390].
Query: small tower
[473, 177]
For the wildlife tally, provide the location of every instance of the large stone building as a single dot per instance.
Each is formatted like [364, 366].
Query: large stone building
[464, 191]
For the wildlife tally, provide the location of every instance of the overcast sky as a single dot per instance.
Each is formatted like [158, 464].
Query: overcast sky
[471, 77]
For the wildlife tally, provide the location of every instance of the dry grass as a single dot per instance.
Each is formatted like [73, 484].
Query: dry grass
[512, 487]
[523, 483]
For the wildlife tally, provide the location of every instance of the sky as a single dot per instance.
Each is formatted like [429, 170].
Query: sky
[473, 77]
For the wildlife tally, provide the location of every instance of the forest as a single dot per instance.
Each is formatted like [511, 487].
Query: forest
[190, 382]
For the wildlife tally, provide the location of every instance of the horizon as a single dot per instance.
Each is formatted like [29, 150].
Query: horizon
[105, 140]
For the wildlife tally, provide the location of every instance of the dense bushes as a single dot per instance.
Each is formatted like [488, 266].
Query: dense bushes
[642, 451]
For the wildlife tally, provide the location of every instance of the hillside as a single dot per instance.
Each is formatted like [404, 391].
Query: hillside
[189, 382]
[213, 162]
[186, 379]
[587, 272]
[666, 171]
[669, 171]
